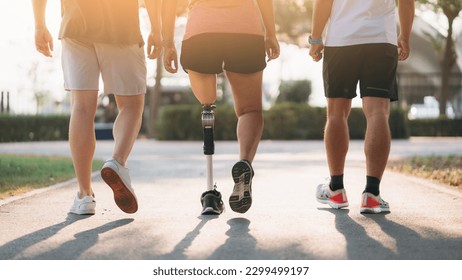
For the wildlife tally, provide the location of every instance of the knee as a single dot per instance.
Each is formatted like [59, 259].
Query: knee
[377, 114]
[83, 110]
[256, 111]
[133, 109]
[337, 117]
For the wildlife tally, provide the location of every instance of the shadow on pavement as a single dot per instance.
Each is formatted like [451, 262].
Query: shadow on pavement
[407, 244]
[84, 240]
[241, 245]
[178, 252]
[68, 250]
[411, 245]
[359, 244]
[12, 249]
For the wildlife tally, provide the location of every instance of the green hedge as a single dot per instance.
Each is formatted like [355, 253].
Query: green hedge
[183, 122]
[398, 124]
[285, 121]
[33, 128]
[291, 121]
[436, 127]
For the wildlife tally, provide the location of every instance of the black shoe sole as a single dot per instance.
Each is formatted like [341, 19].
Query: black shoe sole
[211, 204]
[240, 201]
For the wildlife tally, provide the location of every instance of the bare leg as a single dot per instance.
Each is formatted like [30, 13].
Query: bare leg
[82, 137]
[127, 125]
[247, 92]
[204, 87]
[336, 134]
[377, 139]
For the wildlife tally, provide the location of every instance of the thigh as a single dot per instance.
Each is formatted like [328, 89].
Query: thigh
[204, 86]
[341, 71]
[80, 65]
[247, 91]
[203, 54]
[123, 68]
[378, 74]
[244, 53]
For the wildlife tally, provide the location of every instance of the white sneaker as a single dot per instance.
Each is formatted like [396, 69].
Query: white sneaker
[335, 199]
[117, 177]
[372, 204]
[83, 206]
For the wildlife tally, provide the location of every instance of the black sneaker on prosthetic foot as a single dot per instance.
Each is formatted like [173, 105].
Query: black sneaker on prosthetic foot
[212, 204]
[241, 197]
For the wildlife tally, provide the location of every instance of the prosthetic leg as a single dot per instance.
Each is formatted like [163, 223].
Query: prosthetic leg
[212, 203]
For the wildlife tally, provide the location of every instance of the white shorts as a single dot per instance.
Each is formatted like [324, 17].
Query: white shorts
[122, 67]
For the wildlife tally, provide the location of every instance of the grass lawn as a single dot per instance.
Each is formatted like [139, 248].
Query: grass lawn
[20, 174]
[446, 170]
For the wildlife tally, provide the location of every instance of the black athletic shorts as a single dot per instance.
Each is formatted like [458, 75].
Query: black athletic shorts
[372, 65]
[211, 53]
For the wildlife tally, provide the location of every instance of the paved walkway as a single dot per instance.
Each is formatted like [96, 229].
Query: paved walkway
[285, 221]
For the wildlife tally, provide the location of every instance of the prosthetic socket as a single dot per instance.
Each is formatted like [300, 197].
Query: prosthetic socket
[208, 120]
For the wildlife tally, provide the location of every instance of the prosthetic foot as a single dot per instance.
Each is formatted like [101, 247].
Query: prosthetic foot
[212, 204]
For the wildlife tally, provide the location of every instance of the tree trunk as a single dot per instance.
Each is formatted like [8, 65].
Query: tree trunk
[154, 101]
[446, 66]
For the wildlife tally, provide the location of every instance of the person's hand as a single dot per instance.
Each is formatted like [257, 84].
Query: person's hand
[403, 48]
[154, 47]
[272, 47]
[316, 51]
[44, 42]
[170, 57]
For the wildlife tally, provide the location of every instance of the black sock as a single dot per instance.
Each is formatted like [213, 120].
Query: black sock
[336, 182]
[372, 185]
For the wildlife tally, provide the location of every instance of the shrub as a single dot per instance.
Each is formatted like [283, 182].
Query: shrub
[183, 122]
[291, 121]
[33, 128]
[283, 121]
[435, 127]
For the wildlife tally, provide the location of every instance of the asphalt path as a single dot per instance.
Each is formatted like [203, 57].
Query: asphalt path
[284, 223]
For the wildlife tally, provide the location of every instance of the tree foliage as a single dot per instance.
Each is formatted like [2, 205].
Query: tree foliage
[293, 19]
[295, 91]
[451, 9]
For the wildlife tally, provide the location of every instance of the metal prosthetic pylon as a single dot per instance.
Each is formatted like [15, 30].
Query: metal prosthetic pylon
[211, 199]
[208, 120]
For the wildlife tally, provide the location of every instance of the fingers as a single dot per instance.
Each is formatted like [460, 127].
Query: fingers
[170, 57]
[271, 54]
[402, 54]
[272, 49]
[171, 69]
[154, 52]
[176, 65]
[403, 48]
[316, 52]
[154, 46]
[316, 56]
[44, 42]
[45, 49]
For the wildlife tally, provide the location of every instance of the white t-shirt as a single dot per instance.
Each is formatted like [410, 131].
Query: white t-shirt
[355, 22]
